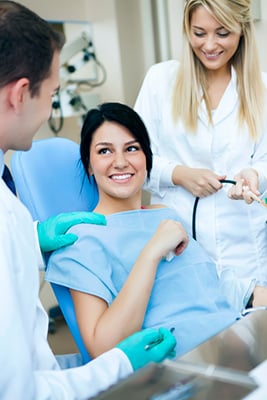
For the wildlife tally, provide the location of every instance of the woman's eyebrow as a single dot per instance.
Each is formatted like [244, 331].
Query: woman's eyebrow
[202, 29]
[110, 143]
[103, 144]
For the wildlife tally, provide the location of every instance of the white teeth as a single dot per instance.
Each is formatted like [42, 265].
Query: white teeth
[212, 55]
[121, 177]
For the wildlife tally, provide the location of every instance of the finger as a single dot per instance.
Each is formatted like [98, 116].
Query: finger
[65, 240]
[152, 336]
[216, 184]
[249, 197]
[172, 354]
[181, 247]
[67, 221]
[167, 344]
[236, 191]
[204, 192]
[221, 177]
[166, 332]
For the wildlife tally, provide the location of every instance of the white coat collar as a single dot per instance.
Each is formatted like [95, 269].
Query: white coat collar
[226, 105]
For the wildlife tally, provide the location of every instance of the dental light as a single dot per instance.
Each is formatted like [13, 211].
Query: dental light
[80, 72]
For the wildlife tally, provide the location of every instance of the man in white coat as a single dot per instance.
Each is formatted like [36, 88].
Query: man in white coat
[29, 76]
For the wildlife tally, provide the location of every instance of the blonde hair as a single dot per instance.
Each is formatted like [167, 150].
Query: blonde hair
[233, 15]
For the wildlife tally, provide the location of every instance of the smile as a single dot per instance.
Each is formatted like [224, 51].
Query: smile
[212, 56]
[121, 177]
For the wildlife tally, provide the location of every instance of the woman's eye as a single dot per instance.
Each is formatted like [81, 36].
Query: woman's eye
[223, 34]
[199, 34]
[133, 148]
[104, 151]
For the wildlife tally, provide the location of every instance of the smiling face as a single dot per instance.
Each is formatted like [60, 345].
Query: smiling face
[118, 164]
[212, 44]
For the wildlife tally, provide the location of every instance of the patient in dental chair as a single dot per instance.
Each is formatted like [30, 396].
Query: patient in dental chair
[141, 269]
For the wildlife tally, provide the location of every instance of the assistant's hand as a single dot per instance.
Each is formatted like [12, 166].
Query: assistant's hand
[199, 182]
[52, 232]
[149, 345]
[247, 181]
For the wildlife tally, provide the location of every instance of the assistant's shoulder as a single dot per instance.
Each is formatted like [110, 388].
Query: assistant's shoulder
[163, 70]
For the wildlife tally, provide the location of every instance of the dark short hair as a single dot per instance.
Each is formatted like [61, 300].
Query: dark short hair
[27, 45]
[121, 114]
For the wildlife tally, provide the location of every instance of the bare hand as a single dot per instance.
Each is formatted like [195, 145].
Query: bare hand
[246, 182]
[198, 181]
[169, 236]
[259, 296]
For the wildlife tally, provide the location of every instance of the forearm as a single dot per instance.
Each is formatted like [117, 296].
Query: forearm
[126, 314]
[200, 182]
[179, 175]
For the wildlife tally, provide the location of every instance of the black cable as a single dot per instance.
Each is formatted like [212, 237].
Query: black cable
[56, 122]
[195, 208]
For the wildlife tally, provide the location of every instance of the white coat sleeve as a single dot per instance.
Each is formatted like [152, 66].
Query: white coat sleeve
[41, 261]
[237, 290]
[82, 382]
[19, 379]
[148, 105]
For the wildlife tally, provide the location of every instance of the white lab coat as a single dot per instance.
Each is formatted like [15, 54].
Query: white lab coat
[29, 370]
[232, 232]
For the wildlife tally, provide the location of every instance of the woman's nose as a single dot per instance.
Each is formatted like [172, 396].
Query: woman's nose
[210, 43]
[120, 160]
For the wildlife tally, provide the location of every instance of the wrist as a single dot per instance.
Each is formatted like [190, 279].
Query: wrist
[149, 256]
[178, 174]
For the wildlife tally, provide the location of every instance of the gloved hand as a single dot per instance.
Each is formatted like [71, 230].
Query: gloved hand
[52, 232]
[148, 345]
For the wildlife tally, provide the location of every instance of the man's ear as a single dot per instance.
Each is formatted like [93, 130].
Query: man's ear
[18, 92]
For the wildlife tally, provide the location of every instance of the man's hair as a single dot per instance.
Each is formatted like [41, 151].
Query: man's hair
[27, 45]
[122, 115]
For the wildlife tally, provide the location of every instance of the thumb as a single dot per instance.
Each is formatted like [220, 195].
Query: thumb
[65, 240]
[67, 220]
[58, 241]
[221, 177]
[254, 187]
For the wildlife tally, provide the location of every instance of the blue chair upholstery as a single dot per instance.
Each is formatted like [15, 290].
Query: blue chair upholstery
[50, 180]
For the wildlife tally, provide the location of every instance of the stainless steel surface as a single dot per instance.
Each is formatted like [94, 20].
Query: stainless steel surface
[241, 347]
[217, 369]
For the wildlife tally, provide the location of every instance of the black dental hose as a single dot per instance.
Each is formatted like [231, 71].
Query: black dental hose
[195, 208]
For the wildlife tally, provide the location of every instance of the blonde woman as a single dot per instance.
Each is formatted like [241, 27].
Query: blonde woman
[207, 120]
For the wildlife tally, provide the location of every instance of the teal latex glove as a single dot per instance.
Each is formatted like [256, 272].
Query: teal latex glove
[149, 345]
[52, 232]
